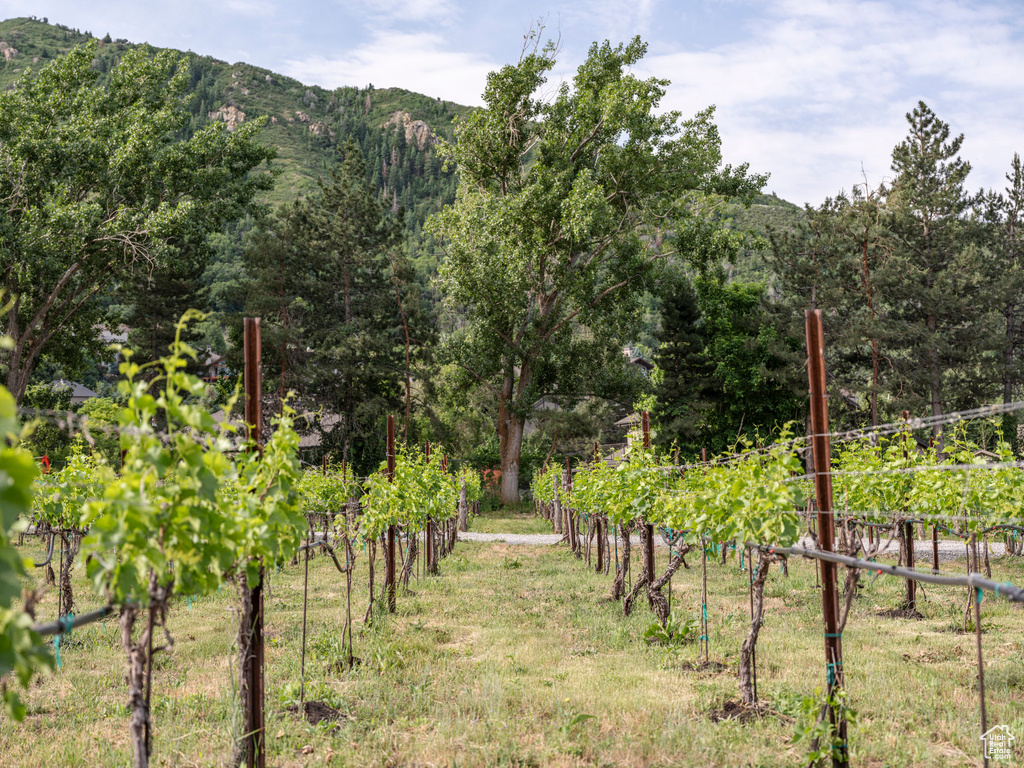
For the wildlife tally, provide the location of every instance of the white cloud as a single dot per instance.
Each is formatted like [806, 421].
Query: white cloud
[821, 86]
[615, 20]
[441, 12]
[806, 89]
[251, 7]
[418, 61]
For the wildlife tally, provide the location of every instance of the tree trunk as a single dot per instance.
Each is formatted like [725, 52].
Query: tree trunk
[510, 431]
[619, 585]
[371, 547]
[140, 664]
[67, 598]
[410, 558]
[657, 600]
[747, 651]
[463, 508]
[510, 453]
[935, 383]
[645, 575]
[556, 514]
[136, 651]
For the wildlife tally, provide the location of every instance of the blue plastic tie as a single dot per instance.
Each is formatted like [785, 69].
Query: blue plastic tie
[981, 595]
[66, 623]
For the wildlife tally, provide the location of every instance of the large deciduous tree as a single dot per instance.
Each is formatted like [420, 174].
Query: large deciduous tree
[546, 246]
[96, 185]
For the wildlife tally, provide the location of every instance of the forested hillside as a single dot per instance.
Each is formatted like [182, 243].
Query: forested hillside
[291, 268]
[394, 128]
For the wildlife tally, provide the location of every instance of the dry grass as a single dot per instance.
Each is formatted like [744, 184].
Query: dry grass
[494, 662]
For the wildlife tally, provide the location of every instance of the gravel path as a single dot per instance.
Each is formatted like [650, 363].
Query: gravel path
[948, 550]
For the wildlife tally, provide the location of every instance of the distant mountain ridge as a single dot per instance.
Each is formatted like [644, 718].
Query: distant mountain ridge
[394, 128]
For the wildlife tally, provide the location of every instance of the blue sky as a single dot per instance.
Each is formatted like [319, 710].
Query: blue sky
[812, 91]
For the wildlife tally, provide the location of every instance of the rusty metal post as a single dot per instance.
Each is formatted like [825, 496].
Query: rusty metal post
[570, 518]
[389, 573]
[251, 638]
[431, 557]
[910, 600]
[976, 599]
[598, 524]
[935, 549]
[826, 522]
[645, 426]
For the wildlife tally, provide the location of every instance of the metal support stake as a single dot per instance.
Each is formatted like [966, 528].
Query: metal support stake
[252, 615]
[389, 573]
[981, 665]
[826, 524]
[645, 425]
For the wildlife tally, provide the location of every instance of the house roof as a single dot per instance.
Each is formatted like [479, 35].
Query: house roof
[110, 337]
[628, 421]
[77, 390]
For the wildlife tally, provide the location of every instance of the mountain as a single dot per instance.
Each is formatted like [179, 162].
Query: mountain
[765, 213]
[396, 129]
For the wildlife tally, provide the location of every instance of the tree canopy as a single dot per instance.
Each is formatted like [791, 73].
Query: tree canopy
[98, 186]
[554, 233]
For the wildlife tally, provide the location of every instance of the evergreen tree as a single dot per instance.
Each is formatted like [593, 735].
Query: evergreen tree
[343, 327]
[279, 261]
[830, 261]
[357, 366]
[686, 391]
[1005, 242]
[157, 299]
[940, 325]
[759, 380]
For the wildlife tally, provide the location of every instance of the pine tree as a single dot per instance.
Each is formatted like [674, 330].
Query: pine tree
[157, 299]
[830, 262]
[1005, 214]
[357, 366]
[686, 390]
[279, 261]
[336, 303]
[941, 324]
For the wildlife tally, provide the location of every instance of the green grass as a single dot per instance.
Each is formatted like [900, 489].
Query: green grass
[494, 518]
[497, 661]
